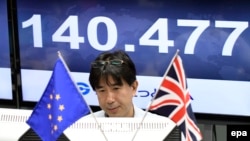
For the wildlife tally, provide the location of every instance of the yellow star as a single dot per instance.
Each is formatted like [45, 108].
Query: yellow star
[51, 96]
[55, 127]
[50, 116]
[61, 107]
[58, 96]
[49, 106]
[59, 118]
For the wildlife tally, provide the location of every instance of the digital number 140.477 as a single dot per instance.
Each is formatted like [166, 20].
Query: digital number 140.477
[160, 26]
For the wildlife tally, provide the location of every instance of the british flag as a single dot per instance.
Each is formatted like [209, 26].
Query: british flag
[174, 101]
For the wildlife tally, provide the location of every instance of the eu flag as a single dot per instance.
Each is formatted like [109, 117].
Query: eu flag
[60, 105]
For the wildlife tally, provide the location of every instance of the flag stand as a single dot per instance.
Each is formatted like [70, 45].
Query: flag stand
[30, 135]
[175, 135]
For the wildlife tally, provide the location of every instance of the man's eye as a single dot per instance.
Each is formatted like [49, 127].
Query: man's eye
[116, 88]
[100, 91]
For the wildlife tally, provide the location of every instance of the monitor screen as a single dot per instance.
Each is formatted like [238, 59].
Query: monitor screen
[5, 67]
[213, 39]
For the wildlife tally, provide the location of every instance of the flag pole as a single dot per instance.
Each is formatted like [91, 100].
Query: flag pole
[176, 54]
[91, 112]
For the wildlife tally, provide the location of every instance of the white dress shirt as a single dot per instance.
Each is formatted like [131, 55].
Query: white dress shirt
[138, 113]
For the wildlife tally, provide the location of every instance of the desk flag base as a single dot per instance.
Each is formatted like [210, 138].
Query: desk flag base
[30, 135]
[175, 135]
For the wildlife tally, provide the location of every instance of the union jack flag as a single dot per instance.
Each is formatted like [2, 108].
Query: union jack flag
[174, 101]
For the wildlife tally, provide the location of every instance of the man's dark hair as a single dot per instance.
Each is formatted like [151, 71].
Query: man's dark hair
[125, 71]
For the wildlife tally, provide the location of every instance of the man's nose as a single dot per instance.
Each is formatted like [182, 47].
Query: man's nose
[110, 97]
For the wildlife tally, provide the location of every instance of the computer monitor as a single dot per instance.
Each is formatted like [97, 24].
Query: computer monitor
[212, 36]
[6, 95]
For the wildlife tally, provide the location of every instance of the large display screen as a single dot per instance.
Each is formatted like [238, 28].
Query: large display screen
[213, 39]
[5, 67]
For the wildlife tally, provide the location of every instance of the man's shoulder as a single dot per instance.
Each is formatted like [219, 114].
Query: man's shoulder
[141, 113]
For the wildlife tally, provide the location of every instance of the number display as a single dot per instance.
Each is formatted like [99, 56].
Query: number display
[70, 23]
[239, 27]
[159, 27]
[111, 33]
[213, 39]
[35, 22]
[200, 25]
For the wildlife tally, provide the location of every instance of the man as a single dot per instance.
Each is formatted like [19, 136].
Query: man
[113, 77]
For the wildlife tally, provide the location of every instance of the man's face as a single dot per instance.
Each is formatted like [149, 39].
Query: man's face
[116, 100]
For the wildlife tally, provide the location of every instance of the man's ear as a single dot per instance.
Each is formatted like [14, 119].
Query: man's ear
[135, 86]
